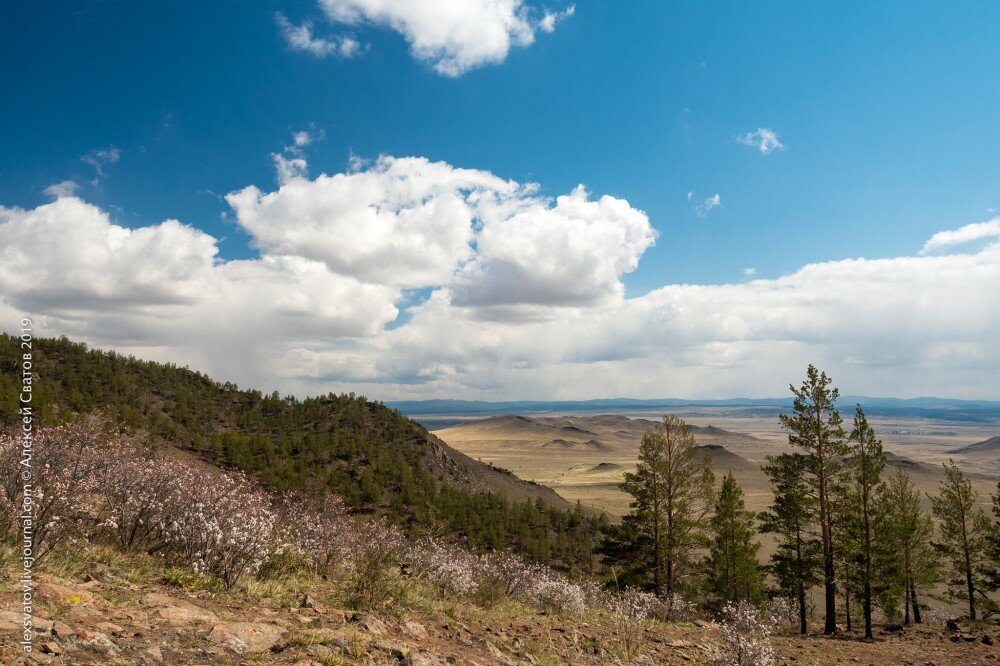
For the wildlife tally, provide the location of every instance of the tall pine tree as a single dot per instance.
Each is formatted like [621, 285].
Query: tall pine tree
[866, 462]
[909, 531]
[672, 493]
[817, 428]
[733, 572]
[797, 561]
[963, 529]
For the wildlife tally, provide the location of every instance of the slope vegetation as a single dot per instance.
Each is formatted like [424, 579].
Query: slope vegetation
[378, 460]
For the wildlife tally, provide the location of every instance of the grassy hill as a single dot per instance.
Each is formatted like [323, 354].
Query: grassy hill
[378, 460]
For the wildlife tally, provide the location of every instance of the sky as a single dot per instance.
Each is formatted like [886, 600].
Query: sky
[509, 199]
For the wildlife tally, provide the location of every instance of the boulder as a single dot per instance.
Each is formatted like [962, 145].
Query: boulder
[246, 637]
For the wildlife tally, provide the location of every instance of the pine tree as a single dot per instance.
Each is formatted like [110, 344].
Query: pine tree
[816, 427]
[993, 545]
[963, 530]
[866, 462]
[798, 558]
[672, 495]
[733, 571]
[909, 530]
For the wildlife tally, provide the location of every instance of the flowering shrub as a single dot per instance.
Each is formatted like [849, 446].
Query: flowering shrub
[746, 637]
[558, 595]
[376, 555]
[228, 527]
[65, 470]
[137, 494]
[321, 532]
[630, 609]
[784, 612]
[452, 571]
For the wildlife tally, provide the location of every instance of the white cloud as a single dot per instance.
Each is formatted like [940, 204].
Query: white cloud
[962, 235]
[66, 188]
[520, 296]
[288, 168]
[101, 158]
[572, 253]
[302, 139]
[550, 18]
[302, 38]
[750, 271]
[763, 139]
[703, 208]
[454, 36]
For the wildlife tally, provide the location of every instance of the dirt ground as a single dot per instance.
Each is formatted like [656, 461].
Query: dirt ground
[103, 622]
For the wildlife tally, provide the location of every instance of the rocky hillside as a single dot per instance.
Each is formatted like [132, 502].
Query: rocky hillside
[111, 610]
[377, 460]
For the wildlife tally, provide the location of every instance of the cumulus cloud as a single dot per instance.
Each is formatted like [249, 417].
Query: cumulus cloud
[301, 38]
[516, 295]
[572, 253]
[453, 36]
[763, 140]
[66, 188]
[750, 271]
[967, 234]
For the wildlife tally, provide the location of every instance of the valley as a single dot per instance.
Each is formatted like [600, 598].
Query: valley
[583, 456]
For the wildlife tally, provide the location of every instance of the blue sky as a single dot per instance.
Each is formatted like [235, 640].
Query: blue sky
[887, 113]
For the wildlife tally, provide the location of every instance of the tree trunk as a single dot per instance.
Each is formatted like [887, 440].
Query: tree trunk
[916, 605]
[972, 590]
[906, 604]
[847, 600]
[868, 609]
[802, 609]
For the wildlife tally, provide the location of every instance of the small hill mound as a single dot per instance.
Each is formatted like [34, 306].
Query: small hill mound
[589, 445]
[605, 467]
[724, 460]
[987, 446]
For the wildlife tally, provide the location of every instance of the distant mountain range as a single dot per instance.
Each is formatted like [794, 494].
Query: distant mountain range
[947, 409]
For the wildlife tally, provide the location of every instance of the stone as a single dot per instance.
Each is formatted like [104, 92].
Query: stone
[244, 637]
[968, 638]
[155, 653]
[392, 648]
[177, 612]
[62, 630]
[987, 639]
[51, 648]
[61, 594]
[370, 623]
[951, 625]
[414, 629]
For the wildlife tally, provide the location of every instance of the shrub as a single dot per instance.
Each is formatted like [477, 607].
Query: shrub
[373, 565]
[451, 571]
[746, 637]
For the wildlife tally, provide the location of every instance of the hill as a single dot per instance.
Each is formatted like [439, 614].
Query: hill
[988, 446]
[378, 460]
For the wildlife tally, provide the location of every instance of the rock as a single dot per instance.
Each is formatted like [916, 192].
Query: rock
[954, 638]
[968, 638]
[61, 594]
[177, 612]
[369, 623]
[62, 630]
[87, 578]
[100, 642]
[155, 653]
[951, 625]
[414, 629]
[987, 639]
[111, 628]
[243, 637]
[423, 659]
[309, 602]
[392, 648]
[51, 648]
[14, 621]
[894, 628]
